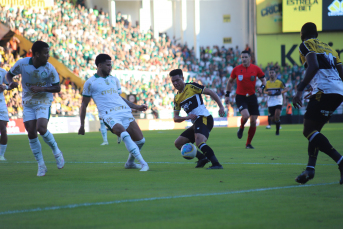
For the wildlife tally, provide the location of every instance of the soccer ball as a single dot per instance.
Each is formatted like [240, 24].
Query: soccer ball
[188, 151]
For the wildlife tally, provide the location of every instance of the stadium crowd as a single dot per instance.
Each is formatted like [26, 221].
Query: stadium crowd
[76, 34]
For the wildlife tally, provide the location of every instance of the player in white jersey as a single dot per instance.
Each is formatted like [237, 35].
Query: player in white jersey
[324, 71]
[115, 110]
[3, 115]
[103, 128]
[275, 89]
[39, 80]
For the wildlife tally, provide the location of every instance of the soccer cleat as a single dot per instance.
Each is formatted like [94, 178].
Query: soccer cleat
[201, 163]
[249, 146]
[104, 144]
[268, 127]
[340, 167]
[41, 170]
[60, 161]
[2, 158]
[240, 133]
[144, 168]
[132, 166]
[118, 139]
[305, 176]
[277, 133]
[216, 167]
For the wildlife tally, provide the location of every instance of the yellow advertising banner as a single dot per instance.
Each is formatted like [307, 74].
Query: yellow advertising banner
[28, 3]
[297, 12]
[268, 16]
[284, 48]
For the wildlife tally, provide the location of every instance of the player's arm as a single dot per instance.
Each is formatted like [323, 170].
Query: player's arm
[83, 109]
[215, 97]
[312, 69]
[178, 118]
[11, 83]
[142, 107]
[229, 86]
[52, 89]
[263, 85]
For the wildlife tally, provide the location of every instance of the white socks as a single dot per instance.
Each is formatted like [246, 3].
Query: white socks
[2, 150]
[132, 147]
[140, 144]
[103, 131]
[37, 150]
[50, 140]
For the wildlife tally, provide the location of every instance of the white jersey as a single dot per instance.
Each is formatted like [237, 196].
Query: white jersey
[104, 92]
[44, 76]
[3, 105]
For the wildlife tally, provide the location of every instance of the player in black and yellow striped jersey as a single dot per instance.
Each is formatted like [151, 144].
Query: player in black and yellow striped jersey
[275, 89]
[324, 72]
[189, 98]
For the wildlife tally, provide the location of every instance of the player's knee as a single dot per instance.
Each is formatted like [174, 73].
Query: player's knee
[140, 143]
[42, 130]
[177, 144]
[3, 130]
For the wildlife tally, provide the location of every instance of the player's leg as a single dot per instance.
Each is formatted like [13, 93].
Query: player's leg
[3, 140]
[314, 120]
[188, 136]
[42, 128]
[103, 131]
[269, 120]
[202, 128]
[137, 136]
[131, 146]
[277, 118]
[243, 109]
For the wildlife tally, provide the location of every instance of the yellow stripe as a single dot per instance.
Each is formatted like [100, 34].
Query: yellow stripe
[200, 144]
[311, 134]
[204, 120]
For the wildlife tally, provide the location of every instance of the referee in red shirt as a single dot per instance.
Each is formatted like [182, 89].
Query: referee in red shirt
[246, 100]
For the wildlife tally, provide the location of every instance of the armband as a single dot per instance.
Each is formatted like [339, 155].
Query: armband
[227, 94]
[262, 87]
[301, 86]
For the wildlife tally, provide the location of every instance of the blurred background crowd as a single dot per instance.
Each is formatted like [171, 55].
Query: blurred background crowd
[77, 34]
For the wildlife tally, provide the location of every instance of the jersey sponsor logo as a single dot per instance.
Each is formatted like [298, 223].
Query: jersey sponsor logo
[186, 106]
[240, 77]
[110, 91]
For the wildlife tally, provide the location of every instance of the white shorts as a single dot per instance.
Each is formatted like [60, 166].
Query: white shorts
[123, 119]
[36, 112]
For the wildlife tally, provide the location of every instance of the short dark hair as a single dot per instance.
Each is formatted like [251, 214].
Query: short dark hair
[272, 69]
[245, 51]
[38, 46]
[176, 72]
[309, 30]
[101, 58]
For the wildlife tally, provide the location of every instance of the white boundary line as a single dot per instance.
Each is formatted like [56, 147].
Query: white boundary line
[70, 206]
[116, 162]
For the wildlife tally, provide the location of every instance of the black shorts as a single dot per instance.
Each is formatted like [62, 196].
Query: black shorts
[249, 103]
[271, 110]
[321, 106]
[203, 125]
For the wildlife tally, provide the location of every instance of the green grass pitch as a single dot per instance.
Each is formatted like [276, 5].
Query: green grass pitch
[256, 188]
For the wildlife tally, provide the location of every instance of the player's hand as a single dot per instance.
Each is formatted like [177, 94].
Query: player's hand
[36, 89]
[81, 130]
[297, 103]
[192, 117]
[227, 100]
[13, 85]
[142, 107]
[270, 93]
[221, 112]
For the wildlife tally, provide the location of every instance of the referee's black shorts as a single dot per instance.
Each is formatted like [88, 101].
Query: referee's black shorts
[203, 125]
[248, 102]
[321, 106]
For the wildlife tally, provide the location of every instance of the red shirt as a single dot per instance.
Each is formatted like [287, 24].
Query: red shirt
[246, 78]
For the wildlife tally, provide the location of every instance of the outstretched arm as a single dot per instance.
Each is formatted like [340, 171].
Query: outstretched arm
[134, 106]
[215, 97]
[11, 83]
[83, 109]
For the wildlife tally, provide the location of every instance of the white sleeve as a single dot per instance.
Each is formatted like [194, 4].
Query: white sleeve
[87, 89]
[16, 68]
[118, 85]
[55, 78]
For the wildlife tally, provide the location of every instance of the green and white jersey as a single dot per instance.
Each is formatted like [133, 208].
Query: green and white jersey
[3, 73]
[105, 93]
[44, 76]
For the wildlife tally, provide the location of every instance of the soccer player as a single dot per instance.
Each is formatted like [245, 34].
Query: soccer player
[324, 72]
[246, 100]
[189, 98]
[3, 115]
[275, 89]
[39, 80]
[114, 110]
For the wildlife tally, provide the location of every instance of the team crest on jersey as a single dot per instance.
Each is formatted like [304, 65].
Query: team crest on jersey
[44, 75]
[240, 77]
[252, 78]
